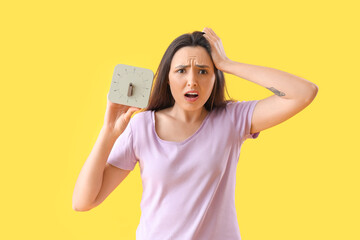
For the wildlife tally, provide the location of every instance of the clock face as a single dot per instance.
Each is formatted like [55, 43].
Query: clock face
[131, 86]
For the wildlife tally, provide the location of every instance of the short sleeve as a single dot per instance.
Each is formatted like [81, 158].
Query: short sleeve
[122, 154]
[241, 115]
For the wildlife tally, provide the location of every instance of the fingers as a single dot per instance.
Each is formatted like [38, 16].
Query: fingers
[130, 112]
[210, 33]
[134, 109]
[210, 37]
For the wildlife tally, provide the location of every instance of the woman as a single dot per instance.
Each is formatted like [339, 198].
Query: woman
[188, 140]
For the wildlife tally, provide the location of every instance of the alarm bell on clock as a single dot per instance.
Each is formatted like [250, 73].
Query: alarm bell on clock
[131, 86]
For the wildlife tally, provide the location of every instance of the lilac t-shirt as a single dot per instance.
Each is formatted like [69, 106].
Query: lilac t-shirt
[188, 186]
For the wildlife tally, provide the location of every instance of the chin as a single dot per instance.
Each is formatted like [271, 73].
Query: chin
[192, 107]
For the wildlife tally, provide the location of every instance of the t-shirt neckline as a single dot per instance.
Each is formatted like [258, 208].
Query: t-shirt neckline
[173, 142]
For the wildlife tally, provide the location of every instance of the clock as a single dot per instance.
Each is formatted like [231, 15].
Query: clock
[131, 86]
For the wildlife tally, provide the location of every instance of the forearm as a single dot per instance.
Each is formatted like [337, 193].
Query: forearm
[90, 178]
[281, 83]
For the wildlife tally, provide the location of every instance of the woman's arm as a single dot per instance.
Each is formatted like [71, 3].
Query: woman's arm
[90, 179]
[282, 84]
[292, 93]
[97, 179]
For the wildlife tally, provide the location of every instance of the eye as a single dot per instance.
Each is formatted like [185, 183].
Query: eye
[204, 71]
[180, 70]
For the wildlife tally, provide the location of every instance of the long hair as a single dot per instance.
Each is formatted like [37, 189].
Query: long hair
[161, 96]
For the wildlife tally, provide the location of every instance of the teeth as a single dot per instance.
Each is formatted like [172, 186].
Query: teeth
[192, 93]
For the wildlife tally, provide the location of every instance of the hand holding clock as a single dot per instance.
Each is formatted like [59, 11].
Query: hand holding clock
[129, 90]
[117, 117]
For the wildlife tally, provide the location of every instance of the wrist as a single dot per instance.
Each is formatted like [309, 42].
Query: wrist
[226, 66]
[109, 132]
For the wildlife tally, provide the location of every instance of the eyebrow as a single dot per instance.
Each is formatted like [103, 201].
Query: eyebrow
[200, 66]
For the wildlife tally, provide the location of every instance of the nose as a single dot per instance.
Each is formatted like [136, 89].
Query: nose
[191, 80]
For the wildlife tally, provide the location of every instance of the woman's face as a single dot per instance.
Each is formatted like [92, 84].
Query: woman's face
[191, 70]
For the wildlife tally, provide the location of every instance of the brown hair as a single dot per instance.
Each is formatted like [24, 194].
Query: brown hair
[161, 96]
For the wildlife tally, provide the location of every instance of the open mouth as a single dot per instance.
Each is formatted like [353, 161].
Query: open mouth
[191, 95]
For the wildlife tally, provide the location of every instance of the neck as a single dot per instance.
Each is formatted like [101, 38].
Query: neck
[186, 115]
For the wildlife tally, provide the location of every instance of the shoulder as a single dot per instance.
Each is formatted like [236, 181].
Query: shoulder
[232, 104]
[228, 106]
[140, 117]
[240, 105]
[147, 115]
[163, 114]
[240, 109]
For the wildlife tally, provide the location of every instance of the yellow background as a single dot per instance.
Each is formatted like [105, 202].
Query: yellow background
[298, 180]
